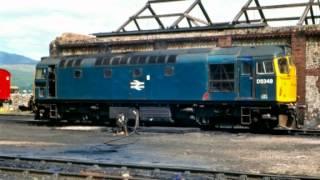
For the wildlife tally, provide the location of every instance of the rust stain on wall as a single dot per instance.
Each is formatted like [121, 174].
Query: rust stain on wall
[318, 83]
[315, 72]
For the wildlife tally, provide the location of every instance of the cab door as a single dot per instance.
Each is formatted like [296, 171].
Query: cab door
[52, 81]
[246, 78]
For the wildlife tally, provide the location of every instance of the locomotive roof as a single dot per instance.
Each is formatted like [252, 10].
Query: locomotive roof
[257, 52]
[243, 51]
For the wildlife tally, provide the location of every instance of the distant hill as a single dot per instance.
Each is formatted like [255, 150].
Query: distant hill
[22, 75]
[10, 59]
[21, 68]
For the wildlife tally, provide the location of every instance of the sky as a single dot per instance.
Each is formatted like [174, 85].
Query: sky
[28, 27]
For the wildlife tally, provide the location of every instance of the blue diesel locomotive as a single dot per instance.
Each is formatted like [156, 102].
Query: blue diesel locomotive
[255, 86]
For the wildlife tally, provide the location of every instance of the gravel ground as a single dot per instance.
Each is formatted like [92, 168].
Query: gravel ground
[214, 150]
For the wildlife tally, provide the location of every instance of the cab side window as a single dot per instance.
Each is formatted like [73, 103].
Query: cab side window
[265, 67]
[246, 68]
[41, 73]
[283, 66]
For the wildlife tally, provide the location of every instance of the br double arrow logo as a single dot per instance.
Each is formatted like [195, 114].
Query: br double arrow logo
[137, 85]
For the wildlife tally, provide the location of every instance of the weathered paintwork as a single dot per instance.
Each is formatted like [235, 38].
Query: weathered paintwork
[188, 83]
[286, 89]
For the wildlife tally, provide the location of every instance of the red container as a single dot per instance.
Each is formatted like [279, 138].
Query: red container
[4, 85]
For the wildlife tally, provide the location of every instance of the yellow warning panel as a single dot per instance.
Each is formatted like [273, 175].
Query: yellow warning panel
[286, 78]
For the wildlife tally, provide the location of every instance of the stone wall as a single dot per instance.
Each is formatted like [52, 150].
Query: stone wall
[262, 42]
[313, 78]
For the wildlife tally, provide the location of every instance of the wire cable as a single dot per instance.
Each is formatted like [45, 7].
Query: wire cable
[134, 130]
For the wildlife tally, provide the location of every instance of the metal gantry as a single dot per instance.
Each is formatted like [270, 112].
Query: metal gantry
[192, 21]
[242, 18]
[308, 13]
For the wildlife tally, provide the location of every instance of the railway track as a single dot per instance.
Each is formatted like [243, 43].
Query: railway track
[277, 131]
[24, 167]
[298, 132]
[171, 129]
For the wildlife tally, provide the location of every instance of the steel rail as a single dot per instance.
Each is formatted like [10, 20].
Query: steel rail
[153, 170]
[272, 132]
[299, 132]
[31, 172]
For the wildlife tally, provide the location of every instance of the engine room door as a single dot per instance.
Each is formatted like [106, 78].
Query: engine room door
[246, 78]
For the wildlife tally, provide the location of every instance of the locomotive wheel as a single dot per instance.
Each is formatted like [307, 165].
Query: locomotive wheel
[270, 125]
[205, 123]
[37, 115]
[263, 126]
[257, 127]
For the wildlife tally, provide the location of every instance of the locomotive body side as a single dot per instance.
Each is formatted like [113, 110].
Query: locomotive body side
[179, 81]
[247, 84]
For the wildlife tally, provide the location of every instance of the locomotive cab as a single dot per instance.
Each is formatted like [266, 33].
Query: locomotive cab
[276, 80]
[276, 85]
[45, 88]
[45, 79]
[256, 84]
[286, 90]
